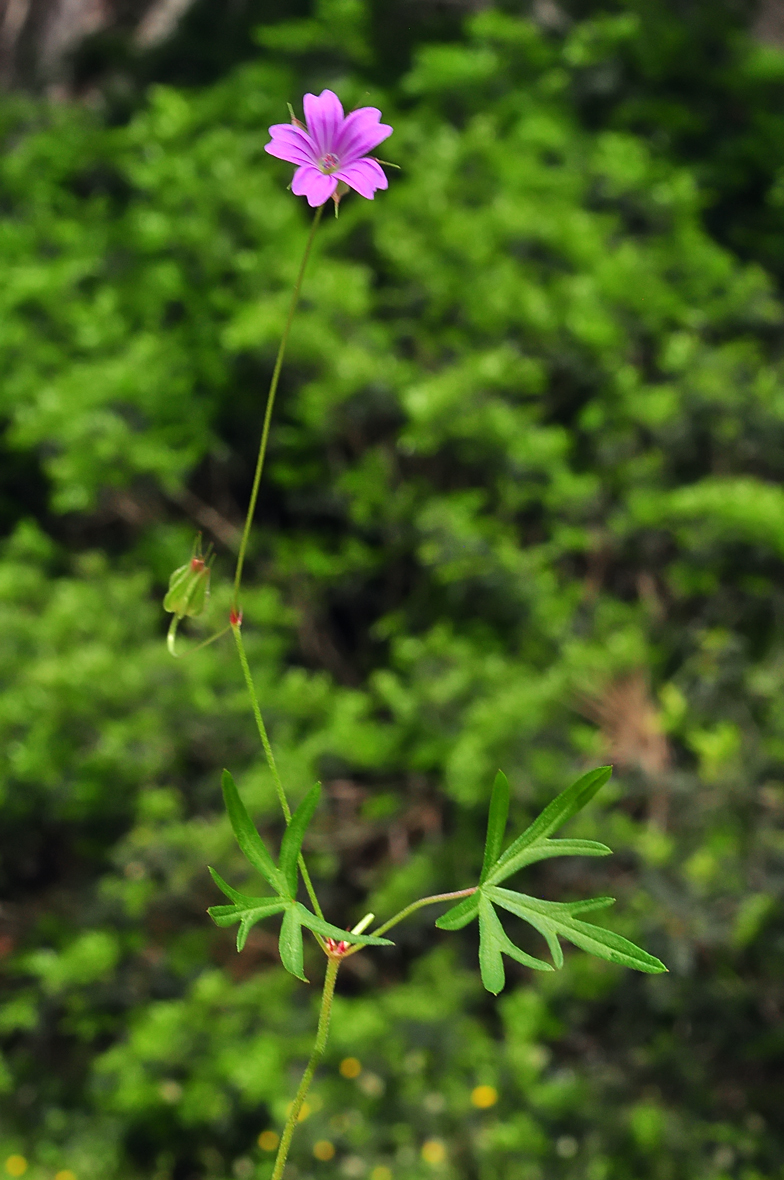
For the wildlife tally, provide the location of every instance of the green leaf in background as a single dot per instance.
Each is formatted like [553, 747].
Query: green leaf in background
[249, 839]
[293, 836]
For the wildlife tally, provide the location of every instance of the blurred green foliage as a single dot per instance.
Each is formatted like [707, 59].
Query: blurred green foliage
[524, 478]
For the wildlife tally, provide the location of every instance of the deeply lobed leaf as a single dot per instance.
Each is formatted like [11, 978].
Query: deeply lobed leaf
[553, 918]
[550, 918]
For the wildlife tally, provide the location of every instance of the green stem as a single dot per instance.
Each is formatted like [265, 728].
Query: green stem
[270, 404]
[333, 963]
[417, 905]
[284, 803]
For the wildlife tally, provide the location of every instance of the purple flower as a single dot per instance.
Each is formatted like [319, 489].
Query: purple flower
[331, 148]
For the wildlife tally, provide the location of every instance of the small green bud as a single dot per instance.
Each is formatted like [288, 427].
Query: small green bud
[189, 591]
[189, 586]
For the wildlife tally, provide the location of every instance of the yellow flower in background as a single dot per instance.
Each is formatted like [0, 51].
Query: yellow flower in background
[484, 1096]
[433, 1151]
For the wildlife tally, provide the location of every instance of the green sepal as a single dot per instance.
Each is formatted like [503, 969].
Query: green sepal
[249, 839]
[321, 926]
[294, 835]
[496, 823]
[459, 915]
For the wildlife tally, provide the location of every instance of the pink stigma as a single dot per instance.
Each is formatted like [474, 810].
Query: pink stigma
[329, 162]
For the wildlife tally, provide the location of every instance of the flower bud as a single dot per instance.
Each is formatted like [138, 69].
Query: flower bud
[189, 586]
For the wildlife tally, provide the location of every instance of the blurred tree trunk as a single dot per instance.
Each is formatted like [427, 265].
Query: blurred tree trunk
[37, 37]
[769, 25]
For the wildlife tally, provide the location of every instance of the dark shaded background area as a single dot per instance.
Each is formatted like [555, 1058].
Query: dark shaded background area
[523, 508]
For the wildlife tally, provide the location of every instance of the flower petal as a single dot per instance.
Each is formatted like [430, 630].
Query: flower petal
[296, 140]
[287, 151]
[314, 185]
[363, 175]
[361, 132]
[324, 117]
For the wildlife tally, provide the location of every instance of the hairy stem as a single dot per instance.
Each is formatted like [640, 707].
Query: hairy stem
[273, 388]
[333, 963]
[284, 803]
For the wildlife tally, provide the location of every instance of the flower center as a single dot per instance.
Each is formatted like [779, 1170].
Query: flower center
[329, 163]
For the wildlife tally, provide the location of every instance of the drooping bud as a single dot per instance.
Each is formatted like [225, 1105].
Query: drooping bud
[189, 590]
[189, 586]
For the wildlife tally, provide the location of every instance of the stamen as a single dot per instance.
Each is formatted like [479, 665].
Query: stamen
[329, 162]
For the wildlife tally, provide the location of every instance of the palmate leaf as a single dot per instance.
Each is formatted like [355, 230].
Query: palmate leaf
[551, 919]
[283, 879]
[249, 910]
